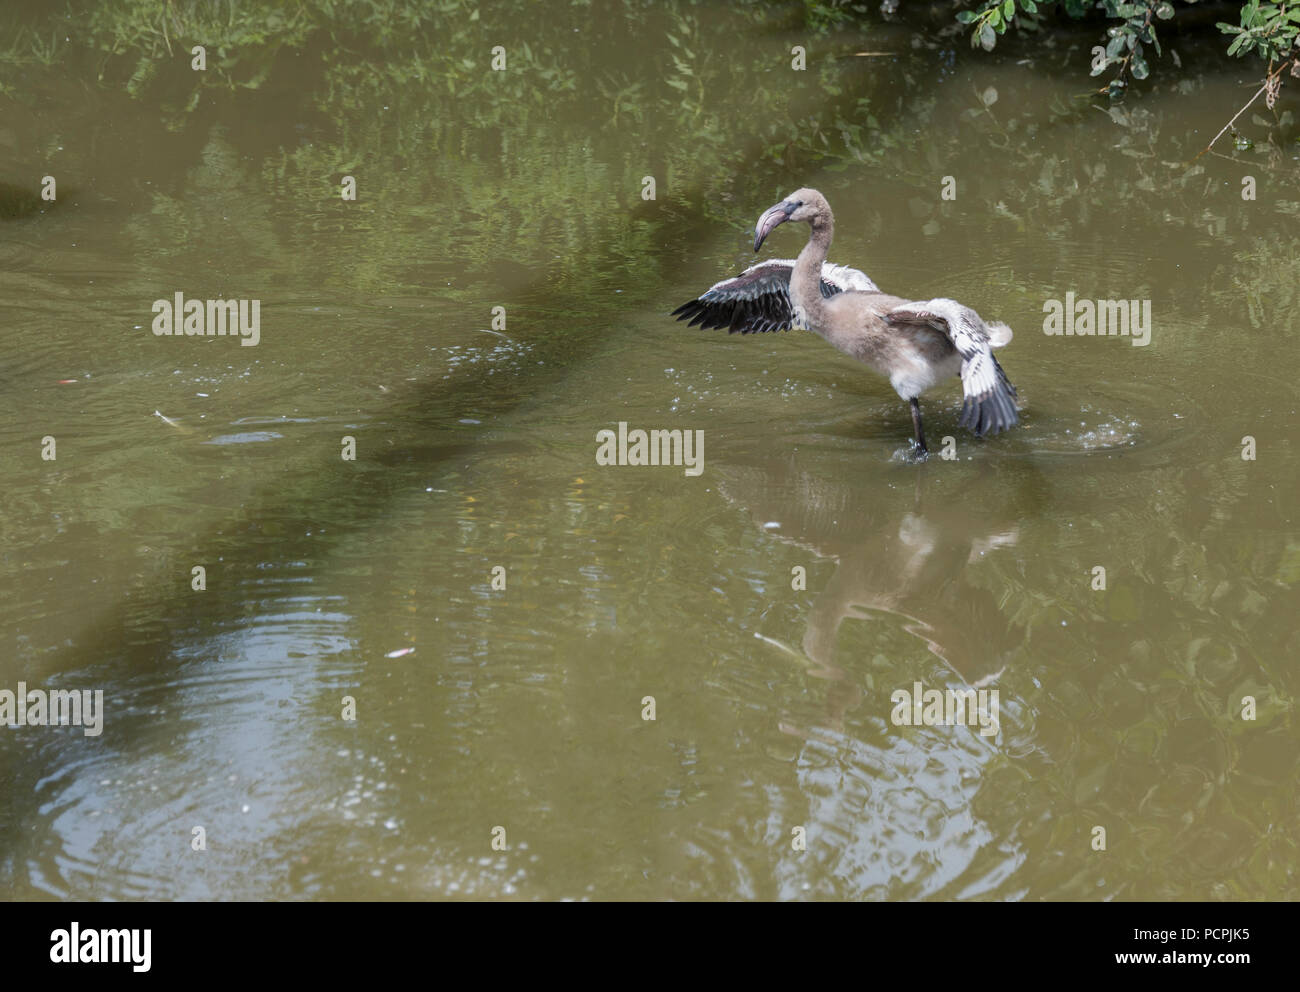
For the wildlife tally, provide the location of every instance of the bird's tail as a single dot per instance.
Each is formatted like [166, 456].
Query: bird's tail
[999, 334]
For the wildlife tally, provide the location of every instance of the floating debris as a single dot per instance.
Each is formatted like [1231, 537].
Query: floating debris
[171, 423]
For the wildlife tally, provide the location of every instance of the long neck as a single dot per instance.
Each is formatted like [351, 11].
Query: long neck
[805, 280]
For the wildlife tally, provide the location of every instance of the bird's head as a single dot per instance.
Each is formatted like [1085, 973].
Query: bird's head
[802, 205]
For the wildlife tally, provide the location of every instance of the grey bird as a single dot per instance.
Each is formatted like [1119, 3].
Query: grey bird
[915, 344]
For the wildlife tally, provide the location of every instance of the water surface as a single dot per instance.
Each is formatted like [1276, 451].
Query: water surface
[479, 707]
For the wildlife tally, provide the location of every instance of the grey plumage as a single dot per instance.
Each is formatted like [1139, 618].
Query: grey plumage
[915, 344]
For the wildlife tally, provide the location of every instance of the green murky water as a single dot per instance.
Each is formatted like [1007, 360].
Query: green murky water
[522, 707]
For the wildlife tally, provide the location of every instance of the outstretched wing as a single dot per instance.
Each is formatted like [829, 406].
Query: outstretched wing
[989, 399]
[758, 299]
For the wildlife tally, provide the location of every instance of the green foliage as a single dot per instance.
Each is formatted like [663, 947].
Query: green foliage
[1268, 29]
[994, 20]
[822, 15]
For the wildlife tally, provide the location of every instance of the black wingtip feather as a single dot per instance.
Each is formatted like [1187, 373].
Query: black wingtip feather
[994, 412]
[990, 414]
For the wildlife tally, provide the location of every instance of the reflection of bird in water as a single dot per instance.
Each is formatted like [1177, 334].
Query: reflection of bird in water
[909, 562]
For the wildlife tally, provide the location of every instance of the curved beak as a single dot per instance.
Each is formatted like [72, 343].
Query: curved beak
[771, 219]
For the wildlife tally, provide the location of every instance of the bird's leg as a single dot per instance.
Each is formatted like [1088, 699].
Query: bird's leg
[919, 440]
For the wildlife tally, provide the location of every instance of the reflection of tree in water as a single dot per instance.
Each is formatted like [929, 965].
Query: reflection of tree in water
[402, 94]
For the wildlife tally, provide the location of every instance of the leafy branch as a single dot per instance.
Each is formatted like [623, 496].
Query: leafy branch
[1268, 29]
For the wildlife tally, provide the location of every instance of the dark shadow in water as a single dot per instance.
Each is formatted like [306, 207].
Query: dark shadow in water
[157, 617]
[17, 201]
